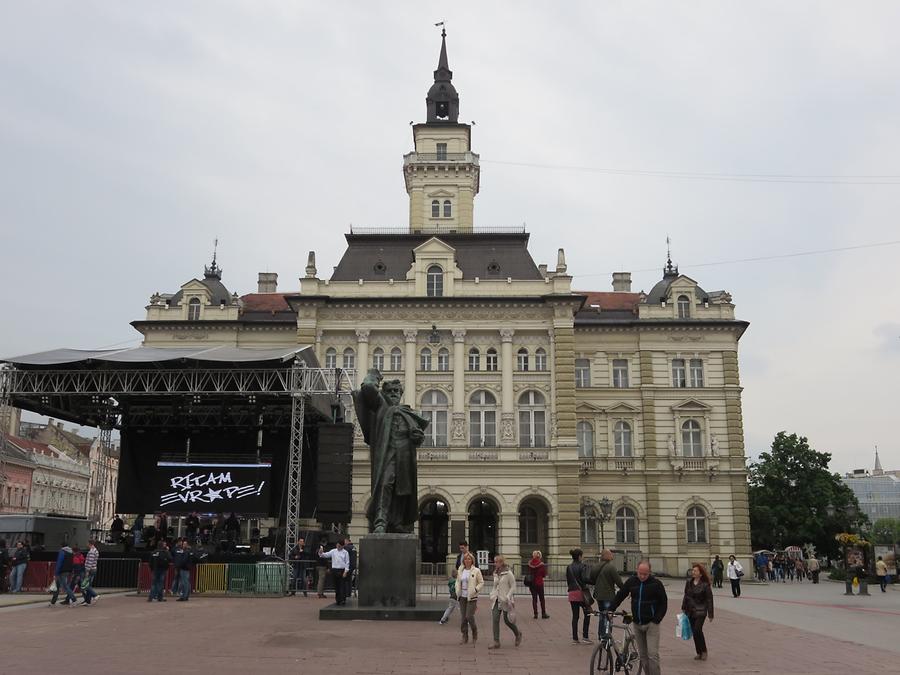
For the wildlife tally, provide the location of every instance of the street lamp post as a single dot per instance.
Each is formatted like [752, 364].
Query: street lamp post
[605, 516]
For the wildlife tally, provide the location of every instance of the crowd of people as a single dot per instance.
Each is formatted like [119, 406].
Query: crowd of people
[782, 567]
[221, 531]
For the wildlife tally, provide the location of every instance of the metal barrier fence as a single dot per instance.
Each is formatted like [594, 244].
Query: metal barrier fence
[111, 573]
[433, 580]
[253, 579]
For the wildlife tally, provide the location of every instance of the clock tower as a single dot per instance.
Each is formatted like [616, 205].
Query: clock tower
[442, 173]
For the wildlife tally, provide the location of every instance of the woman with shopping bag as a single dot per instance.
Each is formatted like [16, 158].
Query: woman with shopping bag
[698, 605]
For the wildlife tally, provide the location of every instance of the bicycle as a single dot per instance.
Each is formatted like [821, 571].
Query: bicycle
[607, 656]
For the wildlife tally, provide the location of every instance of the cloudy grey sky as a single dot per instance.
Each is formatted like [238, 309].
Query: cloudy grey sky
[132, 135]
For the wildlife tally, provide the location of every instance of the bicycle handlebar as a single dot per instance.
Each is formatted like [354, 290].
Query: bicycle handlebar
[599, 612]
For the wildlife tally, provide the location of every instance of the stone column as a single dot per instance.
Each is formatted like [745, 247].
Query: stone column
[507, 400]
[409, 368]
[458, 425]
[320, 353]
[362, 354]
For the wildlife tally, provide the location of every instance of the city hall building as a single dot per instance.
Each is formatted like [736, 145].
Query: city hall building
[559, 417]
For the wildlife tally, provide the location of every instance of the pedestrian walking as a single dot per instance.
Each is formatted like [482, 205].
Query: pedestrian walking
[814, 569]
[340, 569]
[606, 581]
[469, 582]
[77, 576]
[576, 579]
[453, 603]
[717, 568]
[503, 601]
[534, 580]
[762, 566]
[91, 561]
[799, 569]
[882, 574]
[648, 607]
[61, 574]
[734, 572]
[19, 564]
[159, 564]
[698, 605]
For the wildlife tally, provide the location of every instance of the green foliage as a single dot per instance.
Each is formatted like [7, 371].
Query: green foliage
[838, 574]
[790, 491]
[886, 531]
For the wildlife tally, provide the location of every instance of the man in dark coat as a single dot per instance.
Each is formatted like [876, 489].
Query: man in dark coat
[392, 432]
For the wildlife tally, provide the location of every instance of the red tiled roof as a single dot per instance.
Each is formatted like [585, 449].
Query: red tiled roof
[32, 446]
[612, 301]
[265, 302]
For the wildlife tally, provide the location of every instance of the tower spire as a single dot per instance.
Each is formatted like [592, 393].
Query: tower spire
[669, 270]
[442, 101]
[878, 470]
[213, 271]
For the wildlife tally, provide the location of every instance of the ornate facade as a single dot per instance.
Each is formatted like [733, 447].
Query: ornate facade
[559, 418]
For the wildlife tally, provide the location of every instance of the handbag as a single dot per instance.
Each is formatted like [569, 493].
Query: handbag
[53, 588]
[683, 626]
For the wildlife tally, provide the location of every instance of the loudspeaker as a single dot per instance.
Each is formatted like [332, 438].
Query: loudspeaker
[334, 476]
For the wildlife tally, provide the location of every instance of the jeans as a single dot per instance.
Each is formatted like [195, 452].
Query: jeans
[646, 636]
[577, 608]
[735, 587]
[159, 582]
[87, 586]
[452, 605]
[603, 606]
[697, 621]
[16, 577]
[467, 610]
[882, 581]
[495, 622]
[537, 594]
[62, 585]
[184, 583]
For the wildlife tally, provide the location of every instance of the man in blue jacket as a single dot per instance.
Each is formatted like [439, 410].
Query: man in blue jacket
[61, 574]
[648, 605]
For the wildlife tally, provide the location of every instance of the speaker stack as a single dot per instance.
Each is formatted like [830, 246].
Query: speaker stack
[334, 476]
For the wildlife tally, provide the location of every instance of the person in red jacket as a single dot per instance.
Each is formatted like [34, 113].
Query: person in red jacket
[534, 579]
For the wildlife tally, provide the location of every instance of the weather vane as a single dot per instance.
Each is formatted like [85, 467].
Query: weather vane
[443, 29]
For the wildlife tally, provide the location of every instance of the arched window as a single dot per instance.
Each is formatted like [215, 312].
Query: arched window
[622, 439]
[684, 307]
[396, 359]
[378, 358]
[540, 359]
[434, 409]
[691, 439]
[626, 526]
[474, 359]
[491, 363]
[425, 359]
[532, 425]
[522, 359]
[679, 377]
[585, 435]
[588, 516]
[435, 281]
[447, 209]
[194, 309]
[331, 358]
[435, 208]
[482, 420]
[443, 359]
[696, 525]
[349, 359]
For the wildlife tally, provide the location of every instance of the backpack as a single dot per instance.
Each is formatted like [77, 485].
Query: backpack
[78, 559]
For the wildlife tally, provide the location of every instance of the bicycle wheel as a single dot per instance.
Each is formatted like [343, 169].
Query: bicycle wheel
[602, 660]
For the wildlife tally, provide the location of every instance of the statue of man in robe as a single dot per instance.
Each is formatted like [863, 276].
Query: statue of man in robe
[393, 432]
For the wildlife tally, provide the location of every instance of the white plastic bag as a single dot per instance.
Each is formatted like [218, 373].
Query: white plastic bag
[678, 625]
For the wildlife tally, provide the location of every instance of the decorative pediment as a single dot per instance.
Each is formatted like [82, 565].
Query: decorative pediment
[589, 408]
[439, 193]
[623, 408]
[691, 405]
[434, 246]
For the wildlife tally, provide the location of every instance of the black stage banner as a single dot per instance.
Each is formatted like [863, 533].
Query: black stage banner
[182, 487]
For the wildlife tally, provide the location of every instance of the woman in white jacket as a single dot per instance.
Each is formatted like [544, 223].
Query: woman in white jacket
[469, 582]
[503, 601]
[734, 571]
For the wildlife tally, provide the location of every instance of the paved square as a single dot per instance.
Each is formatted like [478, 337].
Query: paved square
[239, 635]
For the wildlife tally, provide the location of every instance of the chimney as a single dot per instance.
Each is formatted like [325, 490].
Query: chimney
[267, 282]
[622, 282]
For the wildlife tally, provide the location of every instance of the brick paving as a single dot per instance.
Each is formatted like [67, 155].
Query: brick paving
[240, 635]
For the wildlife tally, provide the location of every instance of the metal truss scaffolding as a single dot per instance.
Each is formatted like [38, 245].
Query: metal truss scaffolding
[92, 396]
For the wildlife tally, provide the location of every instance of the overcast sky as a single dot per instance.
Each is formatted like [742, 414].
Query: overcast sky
[132, 135]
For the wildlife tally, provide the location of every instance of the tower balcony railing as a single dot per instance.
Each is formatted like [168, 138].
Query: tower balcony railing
[440, 158]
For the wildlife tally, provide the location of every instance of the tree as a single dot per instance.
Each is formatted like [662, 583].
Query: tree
[791, 494]
[886, 531]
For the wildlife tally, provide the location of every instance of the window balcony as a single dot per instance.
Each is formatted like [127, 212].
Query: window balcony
[440, 158]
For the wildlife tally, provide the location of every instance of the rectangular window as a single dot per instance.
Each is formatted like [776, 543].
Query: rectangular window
[582, 372]
[679, 377]
[491, 361]
[444, 360]
[482, 428]
[441, 151]
[620, 373]
[396, 360]
[436, 433]
[696, 372]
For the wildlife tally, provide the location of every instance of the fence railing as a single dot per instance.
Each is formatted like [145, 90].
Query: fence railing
[433, 580]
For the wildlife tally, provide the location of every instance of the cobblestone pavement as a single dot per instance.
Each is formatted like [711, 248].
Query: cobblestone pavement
[240, 635]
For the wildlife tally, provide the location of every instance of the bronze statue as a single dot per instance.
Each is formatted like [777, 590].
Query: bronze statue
[392, 432]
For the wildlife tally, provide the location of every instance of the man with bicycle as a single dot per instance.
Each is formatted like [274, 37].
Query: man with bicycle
[605, 579]
[648, 606]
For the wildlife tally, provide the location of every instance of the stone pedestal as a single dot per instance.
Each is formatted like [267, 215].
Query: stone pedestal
[387, 570]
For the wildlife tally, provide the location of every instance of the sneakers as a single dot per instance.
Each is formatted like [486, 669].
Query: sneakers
[545, 616]
[587, 641]
[576, 642]
[519, 639]
[442, 621]
[494, 645]
[83, 602]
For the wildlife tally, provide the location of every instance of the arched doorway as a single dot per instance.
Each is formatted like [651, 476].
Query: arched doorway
[533, 527]
[483, 525]
[434, 522]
